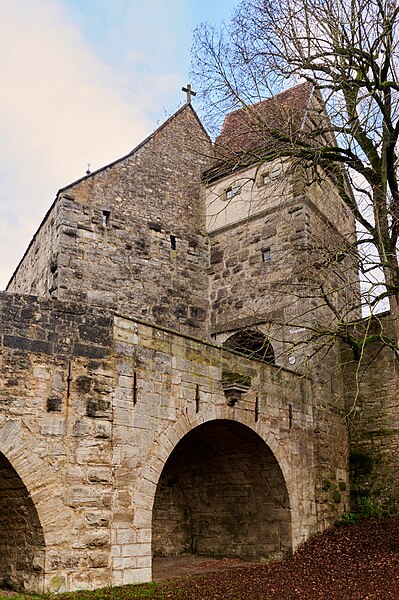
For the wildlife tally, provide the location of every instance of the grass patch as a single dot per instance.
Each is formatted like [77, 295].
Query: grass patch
[125, 592]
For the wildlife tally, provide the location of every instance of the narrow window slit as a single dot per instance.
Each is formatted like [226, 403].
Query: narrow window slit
[134, 388]
[173, 242]
[197, 398]
[256, 409]
[106, 216]
[290, 415]
[69, 379]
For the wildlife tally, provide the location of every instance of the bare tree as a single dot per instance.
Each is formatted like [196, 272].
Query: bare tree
[348, 51]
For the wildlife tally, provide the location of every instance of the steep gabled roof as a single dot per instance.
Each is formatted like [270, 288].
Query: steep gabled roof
[256, 131]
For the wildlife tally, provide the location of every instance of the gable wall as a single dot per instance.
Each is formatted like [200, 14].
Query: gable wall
[129, 264]
[36, 273]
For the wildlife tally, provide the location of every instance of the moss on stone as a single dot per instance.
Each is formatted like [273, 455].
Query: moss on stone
[336, 496]
[234, 377]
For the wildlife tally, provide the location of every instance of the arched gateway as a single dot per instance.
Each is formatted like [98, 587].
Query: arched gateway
[222, 493]
[22, 546]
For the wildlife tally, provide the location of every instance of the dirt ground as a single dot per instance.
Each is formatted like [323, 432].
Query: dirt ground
[189, 565]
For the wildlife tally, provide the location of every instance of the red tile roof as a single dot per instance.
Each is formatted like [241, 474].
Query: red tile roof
[249, 134]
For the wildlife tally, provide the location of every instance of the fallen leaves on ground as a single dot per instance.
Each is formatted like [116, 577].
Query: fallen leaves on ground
[346, 562]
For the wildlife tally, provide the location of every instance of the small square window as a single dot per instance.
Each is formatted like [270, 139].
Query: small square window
[266, 255]
[228, 193]
[231, 191]
[275, 172]
[264, 178]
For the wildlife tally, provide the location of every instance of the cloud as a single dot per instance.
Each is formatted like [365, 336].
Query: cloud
[60, 108]
[81, 82]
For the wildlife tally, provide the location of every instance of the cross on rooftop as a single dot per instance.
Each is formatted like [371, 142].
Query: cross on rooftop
[189, 92]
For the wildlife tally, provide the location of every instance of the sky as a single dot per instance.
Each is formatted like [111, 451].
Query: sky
[83, 81]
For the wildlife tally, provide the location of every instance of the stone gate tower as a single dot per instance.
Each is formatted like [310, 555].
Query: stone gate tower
[155, 397]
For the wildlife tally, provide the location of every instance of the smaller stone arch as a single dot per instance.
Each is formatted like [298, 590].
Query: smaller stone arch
[252, 343]
[22, 545]
[31, 511]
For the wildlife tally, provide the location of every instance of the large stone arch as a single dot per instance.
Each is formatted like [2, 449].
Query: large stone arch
[167, 440]
[222, 493]
[152, 467]
[31, 510]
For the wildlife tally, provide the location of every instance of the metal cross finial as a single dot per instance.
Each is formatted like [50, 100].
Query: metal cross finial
[189, 92]
[88, 172]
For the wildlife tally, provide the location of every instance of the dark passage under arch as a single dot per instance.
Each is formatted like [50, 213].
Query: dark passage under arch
[21, 538]
[222, 493]
[253, 343]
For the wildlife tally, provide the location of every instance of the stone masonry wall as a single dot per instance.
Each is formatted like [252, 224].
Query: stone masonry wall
[169, 387]
[372, 392]
[92, 407]
[56, 390]
[282, 297]
[132, 235]
[283, 290]
[37, 271]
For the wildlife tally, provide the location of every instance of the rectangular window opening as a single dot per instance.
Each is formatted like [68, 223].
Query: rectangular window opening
[106, 216]
[266, 255]
[173, 242]
[275, 172]
[228, 193]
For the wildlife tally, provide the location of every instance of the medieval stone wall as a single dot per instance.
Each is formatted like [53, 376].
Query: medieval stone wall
[132, 236]
[241, 279]
[281, 296]
[92, 410]
[273, 265]
[372, 409]
[56, 389]
[37, 272]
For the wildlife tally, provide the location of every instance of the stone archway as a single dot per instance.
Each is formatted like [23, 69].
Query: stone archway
[22, 545]
[253, 343]
[222, 493]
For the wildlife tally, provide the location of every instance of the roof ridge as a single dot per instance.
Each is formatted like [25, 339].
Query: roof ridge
[269, 99]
